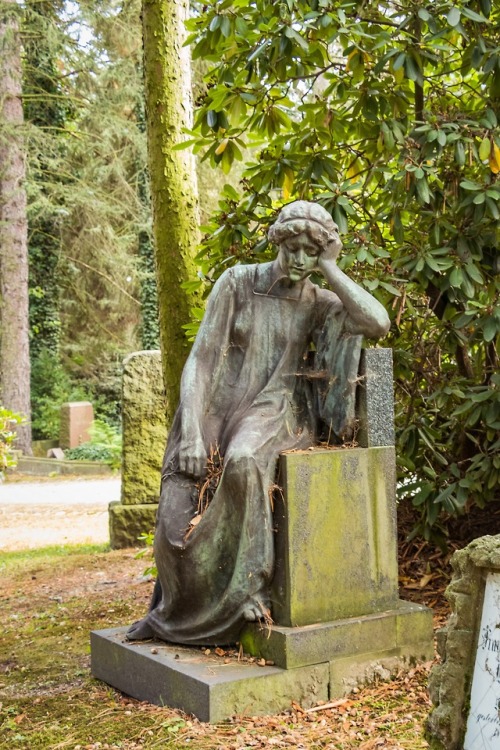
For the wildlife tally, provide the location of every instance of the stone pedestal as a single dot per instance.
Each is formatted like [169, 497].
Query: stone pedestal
[336, 553]
[335, 590]
[144, 437]
[338, 621]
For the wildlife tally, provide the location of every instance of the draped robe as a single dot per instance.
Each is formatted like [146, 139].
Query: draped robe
[252, 360]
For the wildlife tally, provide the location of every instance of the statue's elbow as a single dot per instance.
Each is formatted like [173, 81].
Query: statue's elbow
[380, 327]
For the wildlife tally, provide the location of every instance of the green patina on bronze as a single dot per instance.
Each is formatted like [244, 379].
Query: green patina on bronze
[250, 388]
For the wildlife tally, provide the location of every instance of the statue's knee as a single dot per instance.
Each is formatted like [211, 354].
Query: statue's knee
[240, 460]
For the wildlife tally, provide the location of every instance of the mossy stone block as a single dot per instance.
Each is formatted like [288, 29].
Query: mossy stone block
[128, 522]
[351, 672]
[383, 632]
[144, 427]
[336, 553]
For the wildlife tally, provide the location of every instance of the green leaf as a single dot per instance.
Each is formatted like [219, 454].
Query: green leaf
[292, 34]
[212, 119]
[258, 51]
[490, 329]
[491, 118]
[460, 153]
[424, 14]
[453, 16]
[399, 61]
[485, 7]
[469, 13]
[456, 277]
[340, 218]
[468, 185]
[423, 190]
[225, 26]
[412, 69]
[474, 273]
[493, 208]
[388, 136]
[390, 288]
[484, 149]
[215, 23]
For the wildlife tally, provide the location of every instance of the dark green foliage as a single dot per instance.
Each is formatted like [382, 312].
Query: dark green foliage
[89, 212]
[105, 444]
[388, 115]
[51, 386]
[45, 107]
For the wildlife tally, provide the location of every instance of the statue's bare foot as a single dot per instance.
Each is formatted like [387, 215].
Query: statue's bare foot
[256, 610]
[140, 631]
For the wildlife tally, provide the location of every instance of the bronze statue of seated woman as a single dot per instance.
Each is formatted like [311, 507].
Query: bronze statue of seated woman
[250, 389]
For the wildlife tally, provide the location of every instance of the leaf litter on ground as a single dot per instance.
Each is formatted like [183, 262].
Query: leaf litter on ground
[48, 700]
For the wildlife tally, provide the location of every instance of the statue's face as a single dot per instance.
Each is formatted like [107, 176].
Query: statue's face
[298, 257]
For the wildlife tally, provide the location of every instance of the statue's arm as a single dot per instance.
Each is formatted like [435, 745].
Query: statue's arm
[365, 314]
[198, 374]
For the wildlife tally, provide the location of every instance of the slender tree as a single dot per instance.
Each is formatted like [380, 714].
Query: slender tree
[14, 347]
[173, 177]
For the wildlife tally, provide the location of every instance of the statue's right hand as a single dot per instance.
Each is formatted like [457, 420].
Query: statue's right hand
[193, 458]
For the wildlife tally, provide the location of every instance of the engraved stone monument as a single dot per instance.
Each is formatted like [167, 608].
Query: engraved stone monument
[465, 685]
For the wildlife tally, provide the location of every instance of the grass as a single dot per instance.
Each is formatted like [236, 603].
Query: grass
[24, 558]
[52, 598]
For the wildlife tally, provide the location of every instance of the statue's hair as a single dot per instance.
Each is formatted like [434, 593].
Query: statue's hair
[304, 217]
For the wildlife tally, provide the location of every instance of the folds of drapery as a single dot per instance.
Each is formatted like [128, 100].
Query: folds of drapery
[250, 354]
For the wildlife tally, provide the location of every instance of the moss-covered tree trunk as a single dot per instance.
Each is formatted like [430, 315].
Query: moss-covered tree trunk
[14, 348]
[167, 75]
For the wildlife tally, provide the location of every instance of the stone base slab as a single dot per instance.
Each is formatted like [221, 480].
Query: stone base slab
[186, 678]
[128, 522]
[347, 653]
[44, 467]
[406, 629]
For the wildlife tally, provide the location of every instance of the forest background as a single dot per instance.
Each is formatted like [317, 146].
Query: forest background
[386, 112]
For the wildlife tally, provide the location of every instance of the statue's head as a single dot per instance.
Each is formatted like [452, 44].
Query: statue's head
[302, 231]
[304, 217]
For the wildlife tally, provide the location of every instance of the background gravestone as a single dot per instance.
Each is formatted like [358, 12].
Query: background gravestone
[465, 686]
[76, 418]
[144, 437]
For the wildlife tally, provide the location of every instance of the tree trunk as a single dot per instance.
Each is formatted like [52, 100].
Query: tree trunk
[167, 74]
[14, 347]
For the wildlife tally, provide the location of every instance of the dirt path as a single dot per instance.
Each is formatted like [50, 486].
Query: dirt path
[38, 514]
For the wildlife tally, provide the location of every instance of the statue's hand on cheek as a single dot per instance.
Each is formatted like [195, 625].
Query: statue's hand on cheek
[193, 458]
[330, 253]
